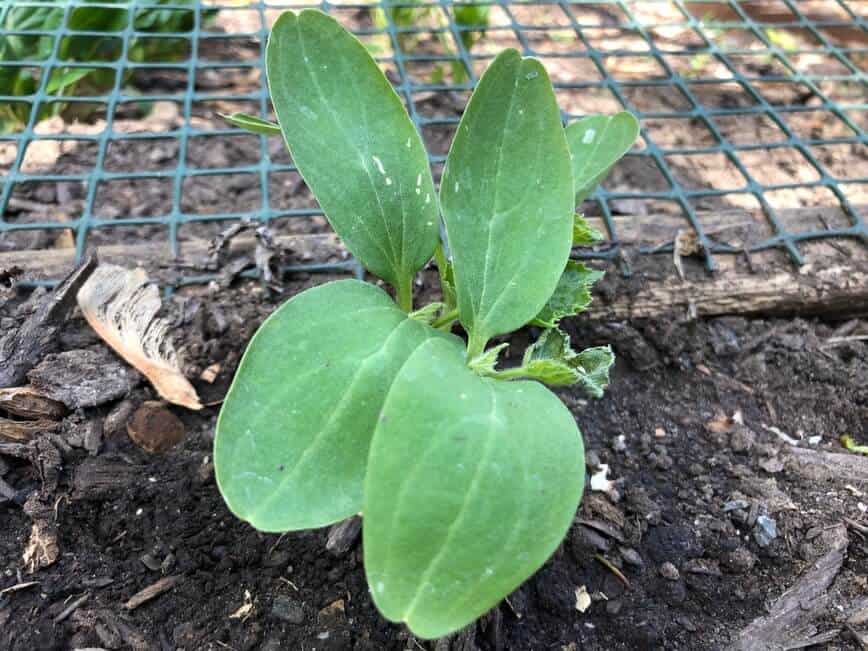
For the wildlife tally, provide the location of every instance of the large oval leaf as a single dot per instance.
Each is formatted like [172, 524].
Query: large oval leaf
[471, 485]
[507, 198]
[596, 143]
[294, 431]
[354, 144]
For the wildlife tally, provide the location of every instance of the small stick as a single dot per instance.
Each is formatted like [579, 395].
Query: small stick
[614, 570]
[18, 586]
[66, 612]
[154, 590]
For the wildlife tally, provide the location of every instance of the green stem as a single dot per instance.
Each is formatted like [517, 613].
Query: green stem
[404, 294]
[511, 373]
[447, 318]
[475, 345]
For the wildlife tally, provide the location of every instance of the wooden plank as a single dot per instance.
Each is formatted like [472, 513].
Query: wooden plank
[834, 279]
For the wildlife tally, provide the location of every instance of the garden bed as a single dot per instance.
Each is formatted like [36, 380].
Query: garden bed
[705, 430]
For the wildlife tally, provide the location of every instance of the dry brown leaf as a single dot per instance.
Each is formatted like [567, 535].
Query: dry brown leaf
[122, 306]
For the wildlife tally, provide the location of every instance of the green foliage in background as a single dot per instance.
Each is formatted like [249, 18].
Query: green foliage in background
[347, 401]
[465, 16]
[72, 79]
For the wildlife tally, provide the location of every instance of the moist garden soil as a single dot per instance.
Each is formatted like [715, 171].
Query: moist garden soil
[692, 430]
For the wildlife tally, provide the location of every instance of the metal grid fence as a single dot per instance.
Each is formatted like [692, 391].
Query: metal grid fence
[708, 70]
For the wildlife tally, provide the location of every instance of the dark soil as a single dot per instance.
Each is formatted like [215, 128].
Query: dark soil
[126, 518]
[691, 427]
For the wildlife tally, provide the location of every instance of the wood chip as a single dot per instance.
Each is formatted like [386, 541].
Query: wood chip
[154, 590]
[22, 348]
[87, 377]
[789, 624]
[343, 535]
[154, 428]
[25, 430]
[122, 306]
[27, 402]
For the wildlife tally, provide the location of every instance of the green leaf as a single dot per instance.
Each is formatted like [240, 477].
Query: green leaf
[61, 79]
[485, 363]
[293, 434]
[252, 123]
[551, 360]
[447, 277]
[428, 313]
[507, 199]
[596, 143]
[584, 234]
[571, 296]
[471, 485]
[354, 144]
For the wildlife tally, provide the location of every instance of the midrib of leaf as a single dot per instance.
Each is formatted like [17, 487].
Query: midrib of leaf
[346, 398]
[494, 203]
[518, 523]
[471, 492]
[518, 268]
[361, 154]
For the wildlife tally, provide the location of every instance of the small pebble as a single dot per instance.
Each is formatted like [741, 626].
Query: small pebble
[765, 531]
[669, 571]
[631, 557]
[738, 560]
[288, 610]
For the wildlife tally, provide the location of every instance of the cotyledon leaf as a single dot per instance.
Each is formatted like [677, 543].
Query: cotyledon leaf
[596, 143]
[472, 483]
[354, 144]
[507, 199]
[294, 431]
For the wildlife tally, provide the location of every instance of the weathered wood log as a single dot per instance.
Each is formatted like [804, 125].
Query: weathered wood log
[26, 402]
[833, 280]
[789, 624]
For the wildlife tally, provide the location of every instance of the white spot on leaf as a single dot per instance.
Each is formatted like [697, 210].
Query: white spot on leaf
[379, 164]
[589, 136]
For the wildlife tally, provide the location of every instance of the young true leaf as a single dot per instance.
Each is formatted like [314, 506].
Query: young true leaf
[551, 360]
[584, 234]
[354, 144]
[452, 455]
[293, 435]
[571, 296]
[252, 123]
[596, 143]
[507, 199]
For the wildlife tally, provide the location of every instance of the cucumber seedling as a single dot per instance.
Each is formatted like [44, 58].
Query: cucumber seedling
[347, 401]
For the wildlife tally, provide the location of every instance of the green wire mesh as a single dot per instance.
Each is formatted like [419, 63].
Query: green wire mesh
[701, 76]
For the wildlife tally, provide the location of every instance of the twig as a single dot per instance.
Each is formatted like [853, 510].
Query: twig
[19, 586]
[154, 590]
[66, 612]
[614, 570]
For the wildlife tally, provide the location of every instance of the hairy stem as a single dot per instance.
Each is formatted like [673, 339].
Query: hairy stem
[404, 294]
[445, 319]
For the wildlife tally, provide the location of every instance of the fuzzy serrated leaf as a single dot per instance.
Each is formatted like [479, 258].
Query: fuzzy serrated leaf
[591, 366]
[427, 313]
[571, 296]
[584, 234]
[484, 364]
